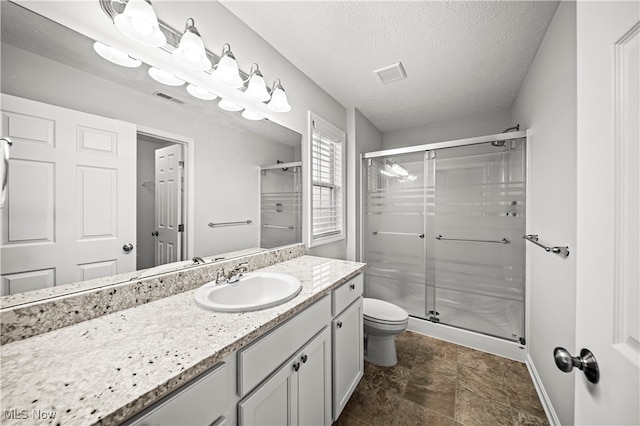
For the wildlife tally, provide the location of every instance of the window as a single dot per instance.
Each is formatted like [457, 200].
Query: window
[327, 178]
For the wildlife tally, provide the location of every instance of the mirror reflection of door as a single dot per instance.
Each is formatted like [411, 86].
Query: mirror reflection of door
[168, 217]
[161, 197]
[70, 209]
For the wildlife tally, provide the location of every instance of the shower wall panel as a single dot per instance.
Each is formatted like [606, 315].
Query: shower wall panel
[280, 206]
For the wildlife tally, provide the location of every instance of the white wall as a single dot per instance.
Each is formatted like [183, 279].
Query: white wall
[487, 123]
[546, 105]
[227, 158]
[362, 136]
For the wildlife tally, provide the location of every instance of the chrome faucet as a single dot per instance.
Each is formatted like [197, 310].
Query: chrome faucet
[198, 260]
[236, 273]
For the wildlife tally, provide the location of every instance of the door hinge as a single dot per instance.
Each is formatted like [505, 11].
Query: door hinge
[181, 228]
[523, 341]
[181, 164]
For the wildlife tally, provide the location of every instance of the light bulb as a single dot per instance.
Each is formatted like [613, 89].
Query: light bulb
[164, 77]
[250, 115]
[190, 52]
[226, 72]
[229, 106]
[278, 102]
[115, 56]
[139, 22]
[256, 88]
[200, 93]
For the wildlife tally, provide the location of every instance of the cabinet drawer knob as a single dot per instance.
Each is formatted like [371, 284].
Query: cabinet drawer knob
[304, 358]
[296, 366]
[339, 324]
[353, 286]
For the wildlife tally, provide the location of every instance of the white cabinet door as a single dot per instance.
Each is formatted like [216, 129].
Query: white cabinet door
[71, 205]
[314, 381]
[348, 356]
[296, 394]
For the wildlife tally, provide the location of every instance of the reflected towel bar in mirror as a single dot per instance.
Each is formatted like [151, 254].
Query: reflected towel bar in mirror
[397, 233]
[266, 225]
[561, 250]
[502, 241]
[240, 222]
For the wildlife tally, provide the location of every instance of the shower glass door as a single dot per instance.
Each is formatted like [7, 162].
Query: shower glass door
[442, 234]
[280, 205]
[479, 253]
[394, 226]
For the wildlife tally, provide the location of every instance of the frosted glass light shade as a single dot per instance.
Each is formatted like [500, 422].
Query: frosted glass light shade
[200, 93]
[250, 115]
[139, 22]
[229, 106]
[190, 52]
[226, 72]
[257, 89]
[115, 56]
[164, 77]
[278, 102]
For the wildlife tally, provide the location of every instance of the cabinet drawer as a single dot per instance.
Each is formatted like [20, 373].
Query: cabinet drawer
[261, 358]
[201, 401]
[346, 294]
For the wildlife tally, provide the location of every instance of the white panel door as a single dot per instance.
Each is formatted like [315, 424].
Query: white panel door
[168, 207]
[71, 196]
[607, 254]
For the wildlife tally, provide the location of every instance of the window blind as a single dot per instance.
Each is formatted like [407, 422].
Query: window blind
[326, 176]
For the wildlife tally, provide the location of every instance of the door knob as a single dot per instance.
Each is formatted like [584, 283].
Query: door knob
[127, 247]
[154, 233]
[585, 362]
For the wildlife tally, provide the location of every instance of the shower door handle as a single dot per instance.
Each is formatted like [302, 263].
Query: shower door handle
[585, 362]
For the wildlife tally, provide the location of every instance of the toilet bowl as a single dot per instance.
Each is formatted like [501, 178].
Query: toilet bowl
[382, 321]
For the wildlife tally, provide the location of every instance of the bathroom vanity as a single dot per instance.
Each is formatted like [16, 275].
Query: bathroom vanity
[172, 362]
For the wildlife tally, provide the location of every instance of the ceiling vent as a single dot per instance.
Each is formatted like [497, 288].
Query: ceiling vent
[168, 97]
[391, 73]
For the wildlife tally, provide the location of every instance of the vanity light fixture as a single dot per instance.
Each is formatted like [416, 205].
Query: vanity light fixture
[229, 106]
[226, 72]
[164, 77]
[278, 102]
[139, 22]
[200, 93]
[190, 52]
[115, 56]
[256, 87]
[250, 115]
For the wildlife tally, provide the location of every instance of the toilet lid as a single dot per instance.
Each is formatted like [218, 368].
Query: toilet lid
[380, 310]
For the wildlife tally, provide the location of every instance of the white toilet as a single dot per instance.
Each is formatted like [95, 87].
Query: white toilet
[382, 321]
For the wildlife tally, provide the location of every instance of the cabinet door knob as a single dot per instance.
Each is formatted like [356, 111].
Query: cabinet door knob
[304, 358]
[339, 324]
[352, 286]
[296, 366]
[154, 233]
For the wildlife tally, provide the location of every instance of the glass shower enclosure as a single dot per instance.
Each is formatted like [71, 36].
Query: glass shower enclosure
[280, 204]
[442, 233]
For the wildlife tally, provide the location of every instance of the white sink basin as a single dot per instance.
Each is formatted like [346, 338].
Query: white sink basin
[254, 291]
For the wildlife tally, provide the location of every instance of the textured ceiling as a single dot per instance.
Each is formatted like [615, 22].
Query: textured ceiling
[461, 58]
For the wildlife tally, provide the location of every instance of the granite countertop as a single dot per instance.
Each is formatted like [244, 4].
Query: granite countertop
[104, 370]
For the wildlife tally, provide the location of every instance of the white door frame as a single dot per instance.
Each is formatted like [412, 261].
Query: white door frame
[189, 183]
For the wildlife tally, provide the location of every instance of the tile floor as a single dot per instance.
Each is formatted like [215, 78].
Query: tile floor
[440, 383]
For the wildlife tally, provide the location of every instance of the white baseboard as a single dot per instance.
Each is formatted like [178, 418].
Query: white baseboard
[552, 417]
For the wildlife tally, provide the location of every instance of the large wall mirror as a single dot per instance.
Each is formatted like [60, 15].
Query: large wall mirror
[236, 183]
